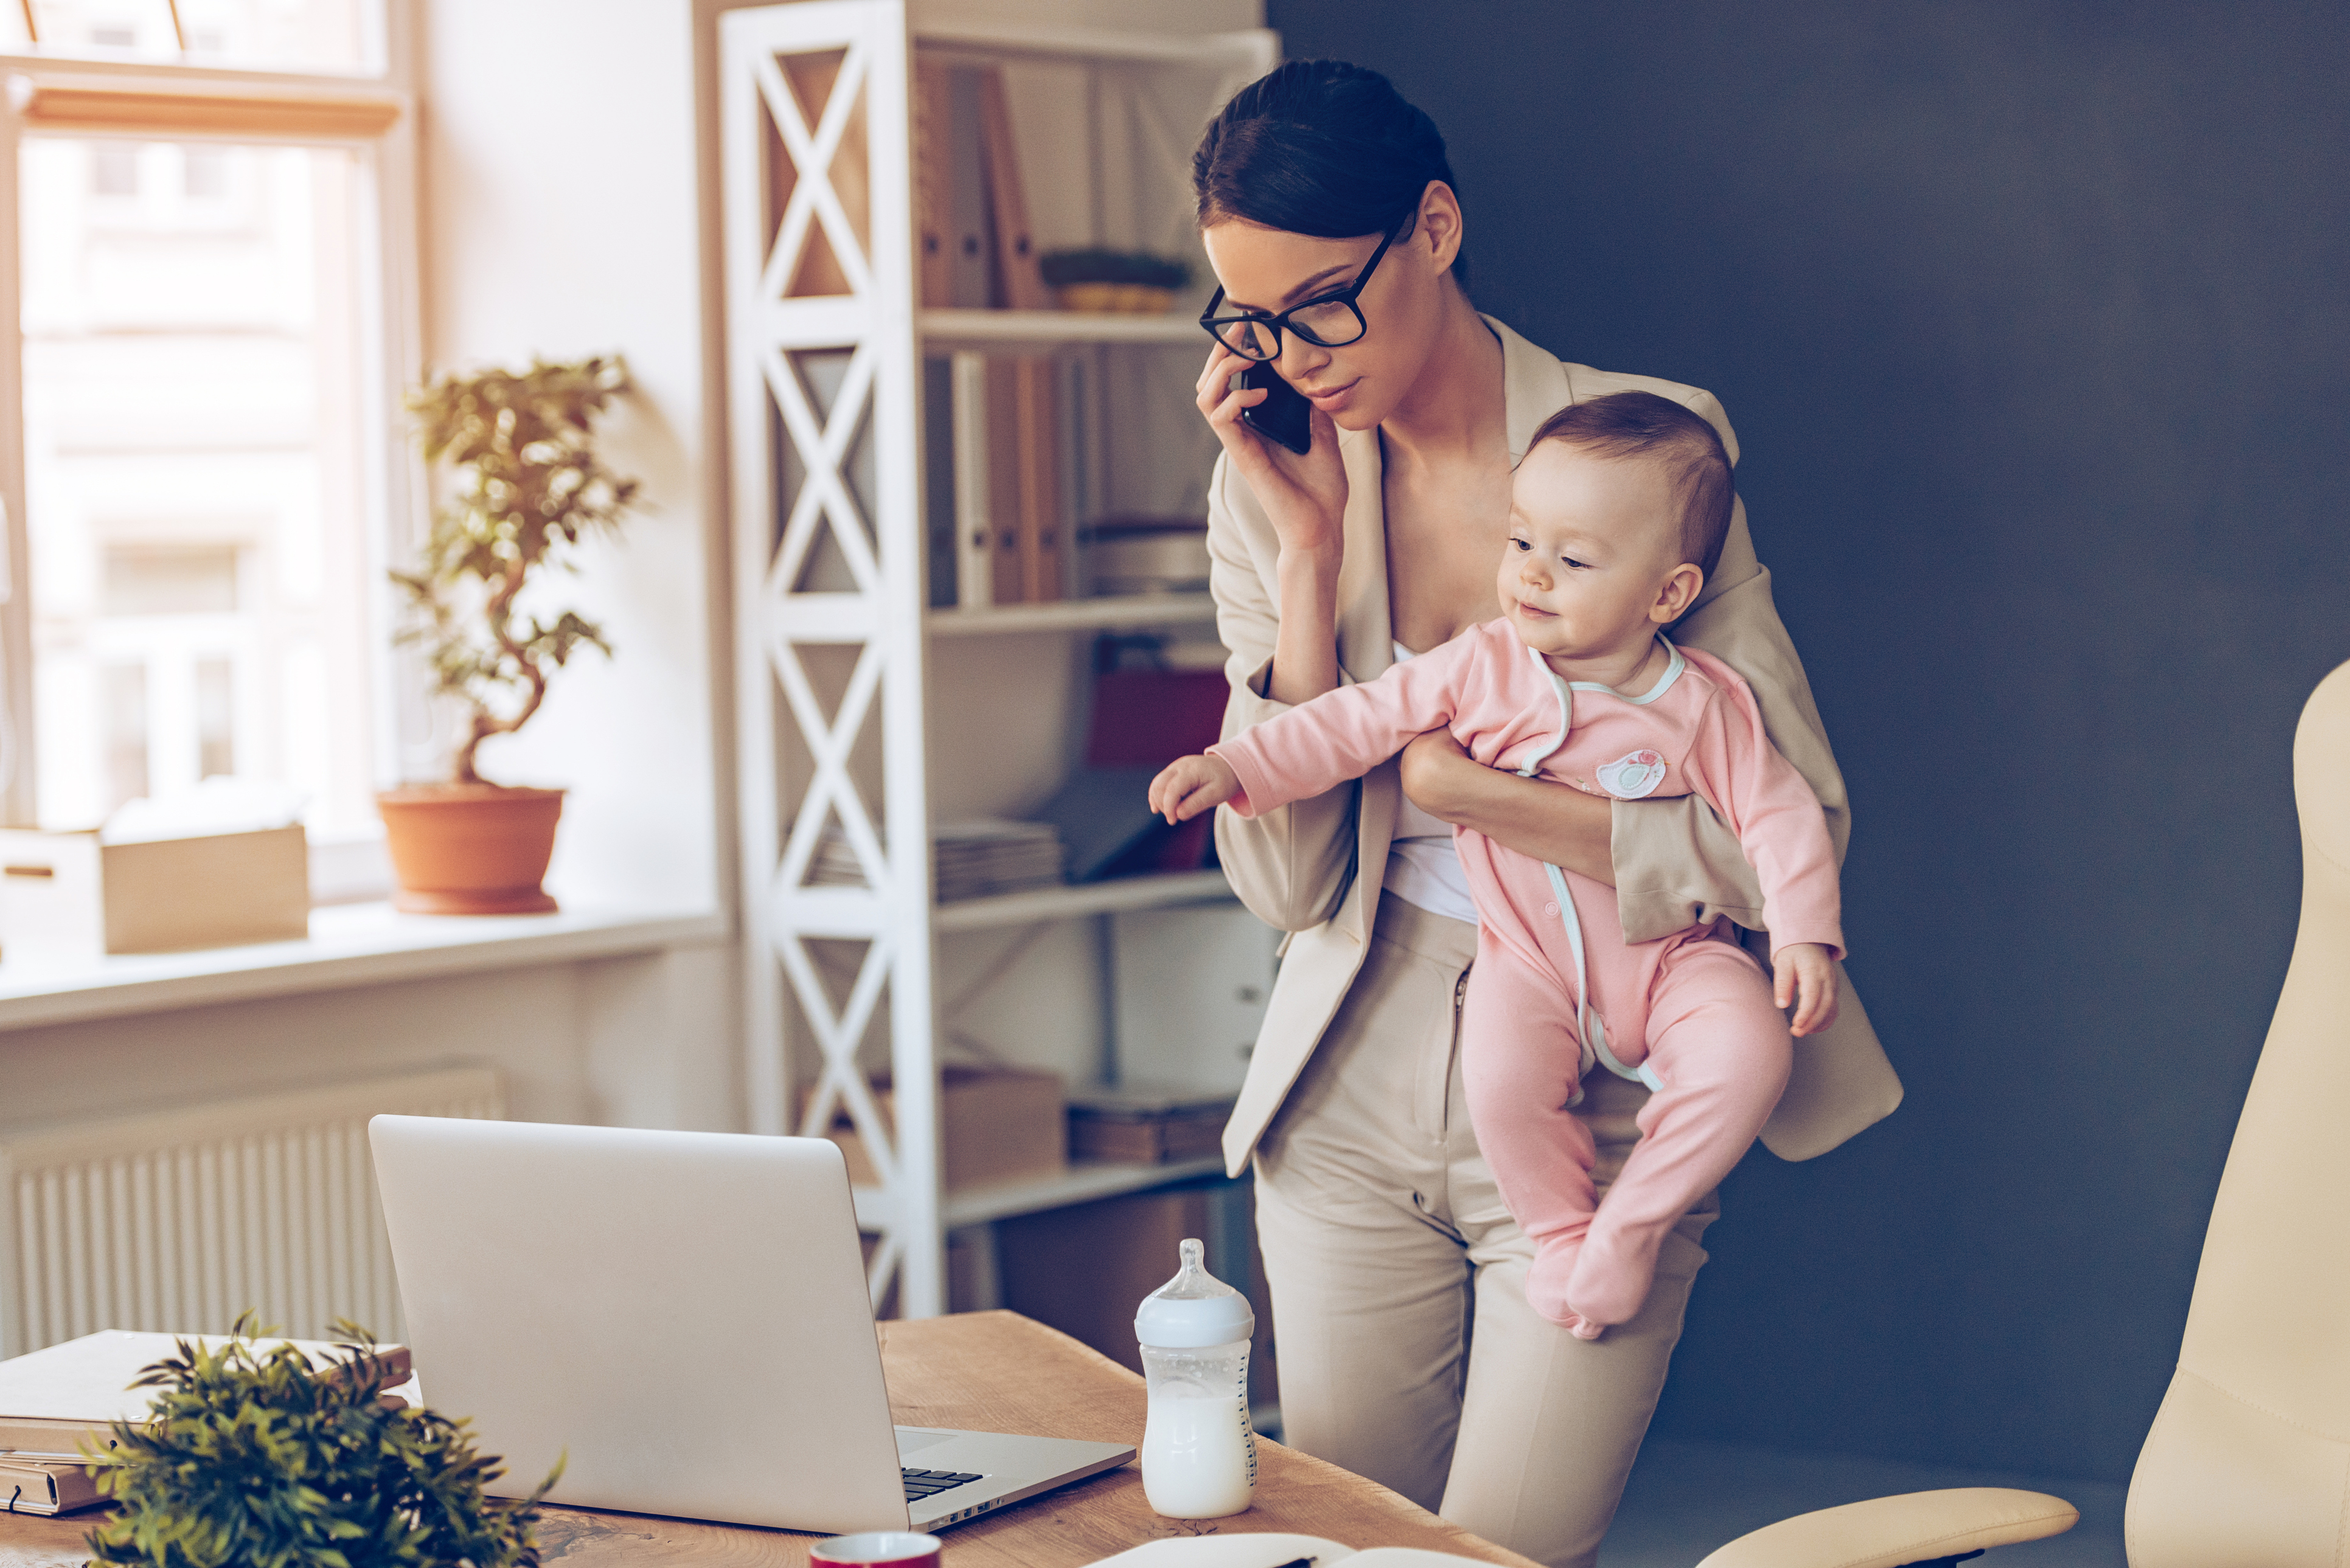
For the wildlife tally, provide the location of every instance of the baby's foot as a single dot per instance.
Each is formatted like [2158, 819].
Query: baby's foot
[1547, 1280]
[1612, 1274]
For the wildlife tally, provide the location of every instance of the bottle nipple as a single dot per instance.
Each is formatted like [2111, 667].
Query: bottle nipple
[1194, 1309]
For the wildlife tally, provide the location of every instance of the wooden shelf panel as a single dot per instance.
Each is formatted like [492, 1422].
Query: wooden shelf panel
[1255, 50]
[858, 912]
[1156, 891]
[1083, 1182]
[1077, 614]
[996, 328]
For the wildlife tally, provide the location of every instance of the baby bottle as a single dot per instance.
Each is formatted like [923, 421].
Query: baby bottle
[1199, 1456]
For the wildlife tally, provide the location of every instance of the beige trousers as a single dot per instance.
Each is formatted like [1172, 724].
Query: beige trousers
[1408, 1352]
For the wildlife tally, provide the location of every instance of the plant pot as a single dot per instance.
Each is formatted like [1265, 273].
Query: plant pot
[470, 849]
[1118, 298]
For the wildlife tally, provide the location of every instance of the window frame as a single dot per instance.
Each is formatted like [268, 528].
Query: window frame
[372, 114]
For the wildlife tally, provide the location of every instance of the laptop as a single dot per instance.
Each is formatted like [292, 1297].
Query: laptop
[681, 1320]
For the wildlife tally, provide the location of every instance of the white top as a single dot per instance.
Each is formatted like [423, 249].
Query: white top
[1423, 867]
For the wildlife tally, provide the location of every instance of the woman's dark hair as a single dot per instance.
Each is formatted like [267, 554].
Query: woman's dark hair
[1320, 148]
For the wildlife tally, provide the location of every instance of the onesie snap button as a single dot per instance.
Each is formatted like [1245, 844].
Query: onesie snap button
[1550, 909]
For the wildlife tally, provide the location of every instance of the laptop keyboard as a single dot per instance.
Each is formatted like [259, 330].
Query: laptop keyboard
[921, 1484]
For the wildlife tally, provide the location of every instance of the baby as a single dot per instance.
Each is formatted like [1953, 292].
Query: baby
[1618, 512]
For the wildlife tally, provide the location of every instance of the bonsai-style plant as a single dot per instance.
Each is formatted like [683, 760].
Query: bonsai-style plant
[529, 487]
[258, 1459]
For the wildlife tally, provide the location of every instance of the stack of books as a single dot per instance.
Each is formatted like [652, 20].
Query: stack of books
[54, 1400]
[974, 860]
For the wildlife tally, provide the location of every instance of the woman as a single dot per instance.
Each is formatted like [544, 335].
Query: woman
[1408, 1352]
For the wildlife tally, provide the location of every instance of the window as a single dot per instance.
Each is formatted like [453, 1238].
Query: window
[273, 34]
[206, 363]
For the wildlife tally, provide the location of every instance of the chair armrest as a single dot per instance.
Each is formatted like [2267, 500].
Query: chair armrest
[1888, 1531]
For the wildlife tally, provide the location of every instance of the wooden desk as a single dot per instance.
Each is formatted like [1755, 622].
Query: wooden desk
[995, 1372]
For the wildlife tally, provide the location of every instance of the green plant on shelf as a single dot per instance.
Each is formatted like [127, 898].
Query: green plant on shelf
[259, 1460]
[1064, 268]
[530, 486]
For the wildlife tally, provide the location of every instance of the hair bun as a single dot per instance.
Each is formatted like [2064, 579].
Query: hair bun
[1319, 147]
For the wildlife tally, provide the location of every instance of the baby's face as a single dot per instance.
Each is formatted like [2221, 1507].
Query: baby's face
[1592, 543]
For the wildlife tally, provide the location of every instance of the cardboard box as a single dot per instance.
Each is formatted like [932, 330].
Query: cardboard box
[996, 1124]
[1146, 1124]
[67, 895]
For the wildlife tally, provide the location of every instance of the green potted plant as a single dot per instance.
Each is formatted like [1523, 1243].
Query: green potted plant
[529, 486]
[1127, 282]
[259, 1460]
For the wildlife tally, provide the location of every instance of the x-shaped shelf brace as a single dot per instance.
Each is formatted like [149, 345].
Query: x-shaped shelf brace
[813, 199]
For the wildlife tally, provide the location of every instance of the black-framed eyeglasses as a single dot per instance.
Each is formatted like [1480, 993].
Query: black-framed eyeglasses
[1329, 320]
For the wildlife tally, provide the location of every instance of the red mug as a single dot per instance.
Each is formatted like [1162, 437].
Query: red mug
[877, 1549]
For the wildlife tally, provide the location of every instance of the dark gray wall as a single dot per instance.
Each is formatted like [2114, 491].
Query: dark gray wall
[2032, 319]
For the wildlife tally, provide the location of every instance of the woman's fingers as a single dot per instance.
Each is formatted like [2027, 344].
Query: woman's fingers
[1304, 497]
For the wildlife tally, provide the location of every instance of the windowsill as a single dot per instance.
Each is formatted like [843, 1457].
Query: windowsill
[350, 945]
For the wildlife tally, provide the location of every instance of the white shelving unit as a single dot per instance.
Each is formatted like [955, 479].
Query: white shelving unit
[826, 394]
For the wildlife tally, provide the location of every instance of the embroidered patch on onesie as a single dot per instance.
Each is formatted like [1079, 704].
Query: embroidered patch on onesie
[1631, 775]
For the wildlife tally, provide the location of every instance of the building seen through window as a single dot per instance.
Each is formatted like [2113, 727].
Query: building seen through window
[201, 584]
[286, 34]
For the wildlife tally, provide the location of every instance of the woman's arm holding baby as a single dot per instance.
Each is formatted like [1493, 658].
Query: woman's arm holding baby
[1562, 827]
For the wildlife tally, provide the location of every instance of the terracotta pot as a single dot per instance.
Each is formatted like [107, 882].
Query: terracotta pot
[470, 849]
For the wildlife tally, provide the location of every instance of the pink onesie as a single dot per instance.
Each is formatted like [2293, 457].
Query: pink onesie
[1689, 1014]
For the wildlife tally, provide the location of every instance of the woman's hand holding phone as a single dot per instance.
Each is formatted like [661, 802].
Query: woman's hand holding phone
[1304, 495]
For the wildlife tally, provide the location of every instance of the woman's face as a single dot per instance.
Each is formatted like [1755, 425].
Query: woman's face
[1362, 382]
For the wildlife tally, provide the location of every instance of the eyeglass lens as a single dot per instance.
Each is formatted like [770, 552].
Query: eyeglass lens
[1330, 324]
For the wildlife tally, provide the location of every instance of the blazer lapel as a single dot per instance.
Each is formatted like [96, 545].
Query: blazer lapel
[1534, 386]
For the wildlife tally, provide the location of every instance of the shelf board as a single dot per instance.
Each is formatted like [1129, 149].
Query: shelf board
[952, 328]
[1038, 904]
[859, 912]
[1083, 1182]
[1075, 615]
[1254, 49]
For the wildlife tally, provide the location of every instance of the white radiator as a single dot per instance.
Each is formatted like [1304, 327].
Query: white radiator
[178, 1220]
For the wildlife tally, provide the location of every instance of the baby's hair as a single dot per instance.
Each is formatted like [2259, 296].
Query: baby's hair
[1642, 424]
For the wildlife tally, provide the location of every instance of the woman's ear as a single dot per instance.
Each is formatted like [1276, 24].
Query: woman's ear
[1439, 225]
[1679, 591]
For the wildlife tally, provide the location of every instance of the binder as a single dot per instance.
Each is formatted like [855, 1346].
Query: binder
[934, 209]
[46, 1487]
[1007, 464]
[971, 276]
[975, 546]
[1011, 493]
[939, 523]
[1019, 285]
[1035, 417]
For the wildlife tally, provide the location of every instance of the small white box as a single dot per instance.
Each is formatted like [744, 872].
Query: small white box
[67, 895]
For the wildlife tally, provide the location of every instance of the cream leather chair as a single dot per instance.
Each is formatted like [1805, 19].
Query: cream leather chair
[2247, 1465]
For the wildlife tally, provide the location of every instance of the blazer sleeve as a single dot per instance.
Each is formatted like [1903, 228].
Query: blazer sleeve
[1290, 865]
[1677, 864]
[1777, 818]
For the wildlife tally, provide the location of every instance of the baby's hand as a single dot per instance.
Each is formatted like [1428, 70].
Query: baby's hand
[1805, 977]
[1190, 785]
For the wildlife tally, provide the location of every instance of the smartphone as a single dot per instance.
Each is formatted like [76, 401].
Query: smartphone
[1284, 415]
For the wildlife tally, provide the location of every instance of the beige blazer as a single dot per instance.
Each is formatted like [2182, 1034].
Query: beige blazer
[1314, 868]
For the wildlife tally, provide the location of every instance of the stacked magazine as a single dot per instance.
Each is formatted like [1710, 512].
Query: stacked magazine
[968, 859]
